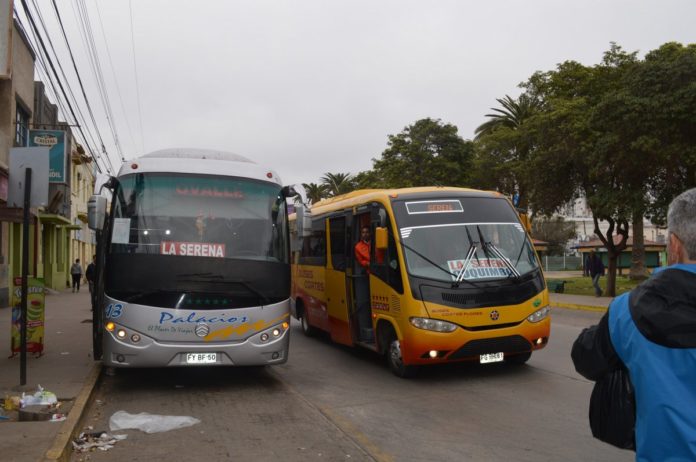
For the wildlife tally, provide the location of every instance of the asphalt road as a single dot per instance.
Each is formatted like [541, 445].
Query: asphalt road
[333, 403]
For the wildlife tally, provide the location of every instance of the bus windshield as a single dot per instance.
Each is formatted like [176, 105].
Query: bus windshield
[463, 239]
[199, 215]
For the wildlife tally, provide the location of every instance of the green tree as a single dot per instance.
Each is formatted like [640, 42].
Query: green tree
[337, 183]
[556, 231]
[427, 153]
[571, 156]
[504, 146]
[315, 192]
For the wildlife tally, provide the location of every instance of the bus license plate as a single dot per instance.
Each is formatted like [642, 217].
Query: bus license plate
[201, 358]
[491, 358]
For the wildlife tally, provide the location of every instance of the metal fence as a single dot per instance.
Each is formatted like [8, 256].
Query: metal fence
[561, 263]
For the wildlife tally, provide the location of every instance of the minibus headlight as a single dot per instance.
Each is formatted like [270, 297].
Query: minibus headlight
[433, 324]
[539, 314]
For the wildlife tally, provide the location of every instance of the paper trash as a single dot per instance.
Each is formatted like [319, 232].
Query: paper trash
[149, 423]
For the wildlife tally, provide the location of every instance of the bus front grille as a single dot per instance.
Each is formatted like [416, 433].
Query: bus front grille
[509, 344]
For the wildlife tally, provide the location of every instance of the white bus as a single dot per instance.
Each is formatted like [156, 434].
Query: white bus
[192, 262]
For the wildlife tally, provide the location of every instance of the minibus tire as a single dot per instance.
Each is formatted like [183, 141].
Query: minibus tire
[307, 329]
[519, 359]
[395, 361]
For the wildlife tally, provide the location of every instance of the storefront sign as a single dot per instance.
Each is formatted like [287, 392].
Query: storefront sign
[56, 142]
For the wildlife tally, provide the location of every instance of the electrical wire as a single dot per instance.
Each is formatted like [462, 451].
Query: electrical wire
[41, 52]
[137, 83]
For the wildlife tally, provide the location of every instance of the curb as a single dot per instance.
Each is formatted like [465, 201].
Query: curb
[61, 448]
[574, 306]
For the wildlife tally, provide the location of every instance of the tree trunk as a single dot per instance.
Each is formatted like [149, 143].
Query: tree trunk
[638, 270]
[612, 258]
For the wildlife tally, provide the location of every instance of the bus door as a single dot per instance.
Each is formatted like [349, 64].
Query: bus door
[338, 272]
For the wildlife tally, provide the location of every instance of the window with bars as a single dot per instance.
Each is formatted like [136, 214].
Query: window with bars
[22, 126]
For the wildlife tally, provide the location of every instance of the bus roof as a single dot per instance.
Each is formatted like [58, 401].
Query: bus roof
[199, 161]
[366, 195]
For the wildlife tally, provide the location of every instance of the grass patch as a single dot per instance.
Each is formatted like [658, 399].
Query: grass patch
[583, 285]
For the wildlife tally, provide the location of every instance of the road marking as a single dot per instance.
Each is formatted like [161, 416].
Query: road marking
[344, 425]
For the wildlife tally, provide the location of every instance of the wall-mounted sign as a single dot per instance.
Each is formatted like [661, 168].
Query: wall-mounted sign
[55, 141]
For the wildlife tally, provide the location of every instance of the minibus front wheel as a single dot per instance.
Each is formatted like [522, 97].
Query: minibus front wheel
[307, 329]
[395, 359]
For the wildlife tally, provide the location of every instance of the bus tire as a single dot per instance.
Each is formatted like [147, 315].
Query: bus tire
[518, 359]
[395, 360]
[307, 329]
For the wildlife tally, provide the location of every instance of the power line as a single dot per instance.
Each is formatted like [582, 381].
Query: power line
[96, 69]
[79, 79]
[52, 85]
[113, 72]
[42, 48]
[137, 83]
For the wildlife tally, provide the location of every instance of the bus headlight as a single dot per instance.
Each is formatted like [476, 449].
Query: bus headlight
[433, 324]
[539, 315]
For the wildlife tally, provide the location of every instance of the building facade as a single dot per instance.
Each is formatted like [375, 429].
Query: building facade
[16, 111]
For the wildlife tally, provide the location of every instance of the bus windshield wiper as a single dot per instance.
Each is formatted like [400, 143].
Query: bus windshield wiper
[487, 245]
[145, 293]
[220, 279]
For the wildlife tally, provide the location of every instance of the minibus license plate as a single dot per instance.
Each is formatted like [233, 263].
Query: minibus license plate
[491, 357]
[201, 358]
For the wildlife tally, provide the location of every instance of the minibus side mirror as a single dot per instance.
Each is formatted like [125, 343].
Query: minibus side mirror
[96, 212]
[381, 238]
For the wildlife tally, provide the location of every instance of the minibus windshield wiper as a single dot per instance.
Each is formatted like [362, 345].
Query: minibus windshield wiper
[430, 261]
[487, 245]
[471, 253]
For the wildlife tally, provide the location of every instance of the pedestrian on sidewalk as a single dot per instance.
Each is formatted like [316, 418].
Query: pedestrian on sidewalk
[596, 268]
[651, 331]
[89, 273]
[76, 273]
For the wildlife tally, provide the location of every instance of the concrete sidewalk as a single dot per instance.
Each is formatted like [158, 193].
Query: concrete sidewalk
[579, 302]
[66, 369]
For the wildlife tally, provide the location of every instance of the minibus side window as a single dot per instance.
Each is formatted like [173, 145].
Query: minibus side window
[314, 246]
[387, 267]
[337, 231]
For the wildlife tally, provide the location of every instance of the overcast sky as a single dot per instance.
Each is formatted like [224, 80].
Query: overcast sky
[310, 87]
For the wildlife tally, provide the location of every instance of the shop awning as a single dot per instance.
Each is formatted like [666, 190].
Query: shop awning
[54, 219]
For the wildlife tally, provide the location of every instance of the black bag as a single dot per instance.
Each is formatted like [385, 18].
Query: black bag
[613, 410]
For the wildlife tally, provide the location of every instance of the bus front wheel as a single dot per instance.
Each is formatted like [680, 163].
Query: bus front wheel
[396, 361]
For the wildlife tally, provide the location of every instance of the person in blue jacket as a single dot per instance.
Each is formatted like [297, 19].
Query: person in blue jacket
[652, 332]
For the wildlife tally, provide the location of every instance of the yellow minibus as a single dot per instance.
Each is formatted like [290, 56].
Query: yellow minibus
[422, 276]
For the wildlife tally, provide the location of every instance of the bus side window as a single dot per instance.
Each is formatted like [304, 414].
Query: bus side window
[337, 234]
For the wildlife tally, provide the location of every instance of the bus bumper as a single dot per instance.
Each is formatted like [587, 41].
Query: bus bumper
[149, 352]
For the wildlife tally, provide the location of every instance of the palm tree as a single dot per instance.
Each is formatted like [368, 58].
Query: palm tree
[315, 192]
[337, 183]
[513, 114]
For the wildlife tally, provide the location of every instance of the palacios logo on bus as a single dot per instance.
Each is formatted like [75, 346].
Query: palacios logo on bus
[193, 249]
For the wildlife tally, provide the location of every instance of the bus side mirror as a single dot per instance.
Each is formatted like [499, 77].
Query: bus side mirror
[96, 212]
[381, 239]
[303, 221]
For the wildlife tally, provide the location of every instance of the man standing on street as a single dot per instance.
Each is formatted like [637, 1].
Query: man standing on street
[89, 273]
[652, 331]
[76, 273]
[596, 272]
